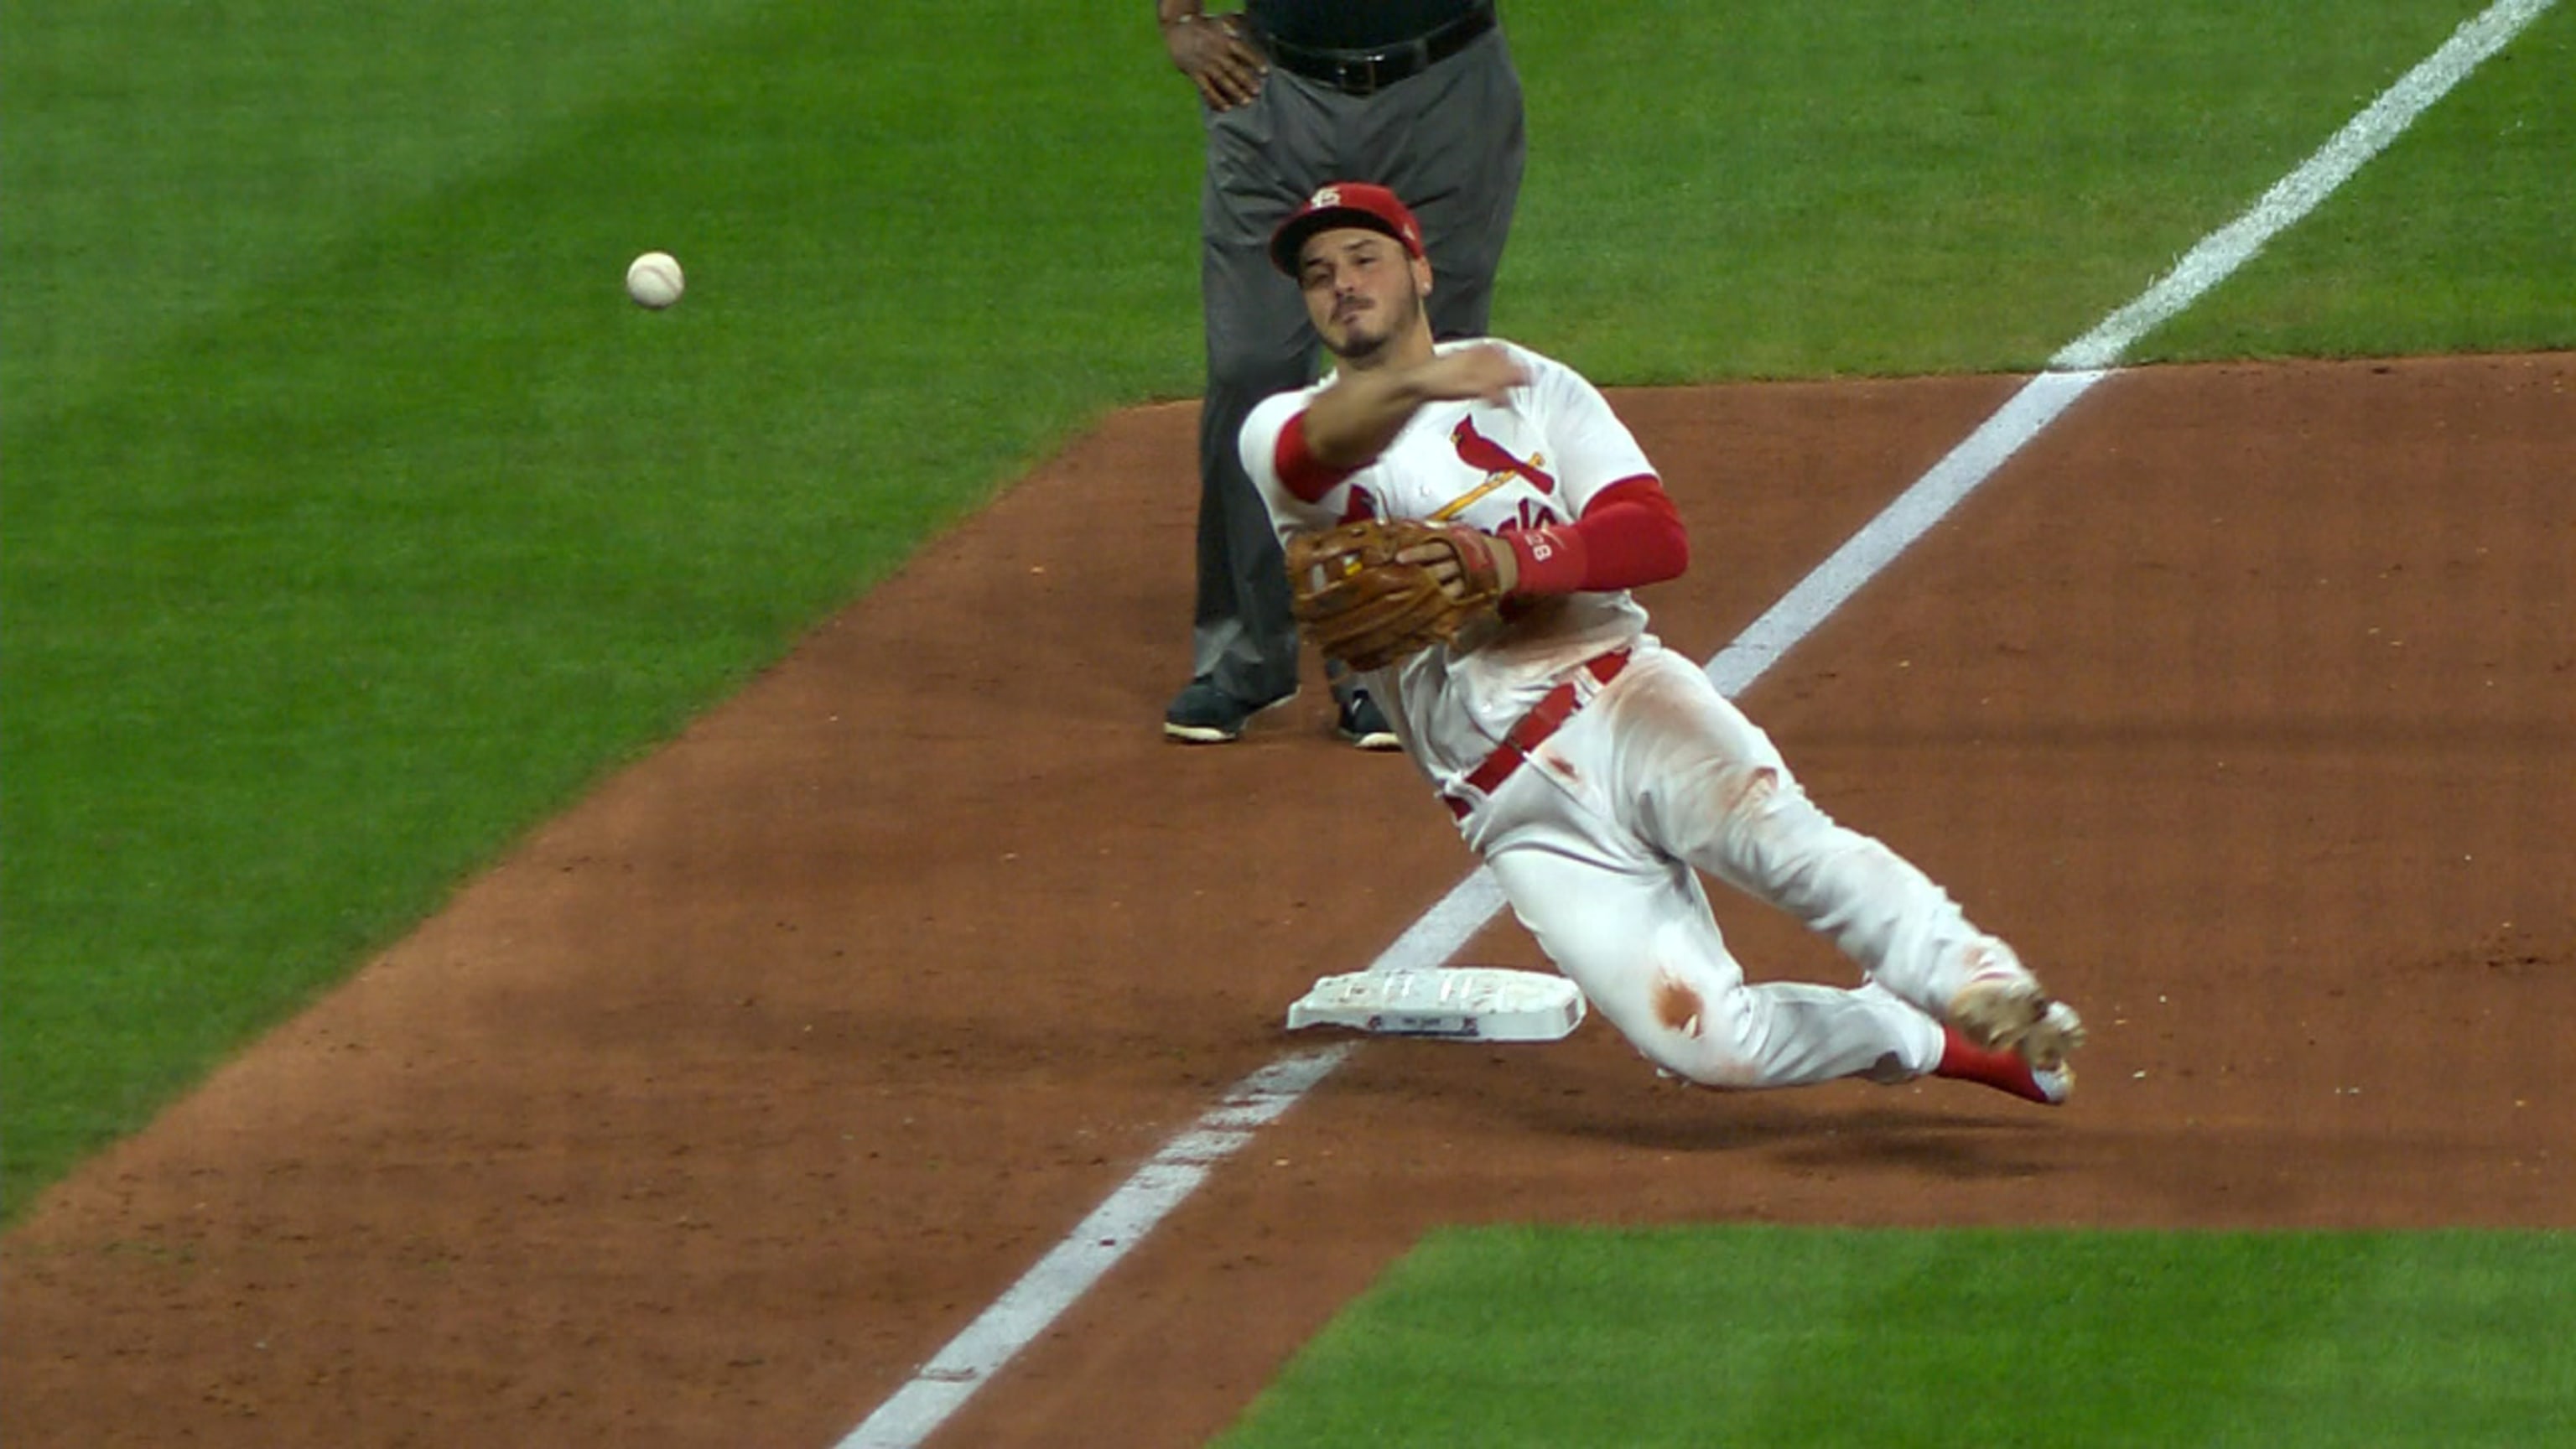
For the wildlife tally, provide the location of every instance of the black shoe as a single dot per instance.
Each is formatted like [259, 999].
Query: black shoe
[1205, 714]
[1364, 724]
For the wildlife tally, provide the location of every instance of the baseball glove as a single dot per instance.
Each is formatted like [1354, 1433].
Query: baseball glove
[1371, 592]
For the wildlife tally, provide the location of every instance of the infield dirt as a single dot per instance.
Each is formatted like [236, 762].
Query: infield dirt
[2240, 701]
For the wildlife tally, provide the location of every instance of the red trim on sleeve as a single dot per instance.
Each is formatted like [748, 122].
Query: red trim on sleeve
[1630, 535]
[1297, 468]
[1552, 559]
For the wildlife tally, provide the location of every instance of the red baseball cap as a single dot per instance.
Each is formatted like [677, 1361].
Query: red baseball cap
[1343, 203]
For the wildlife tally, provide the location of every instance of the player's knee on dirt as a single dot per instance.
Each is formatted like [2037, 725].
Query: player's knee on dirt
[1697, 1033]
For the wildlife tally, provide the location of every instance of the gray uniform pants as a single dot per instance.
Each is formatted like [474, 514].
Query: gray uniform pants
[1449, 142]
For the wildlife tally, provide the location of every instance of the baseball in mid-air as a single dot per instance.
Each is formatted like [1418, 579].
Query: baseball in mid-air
[653, 280]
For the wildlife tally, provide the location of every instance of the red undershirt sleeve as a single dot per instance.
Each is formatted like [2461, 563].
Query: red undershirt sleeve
[1308, 479]
[1630, 535]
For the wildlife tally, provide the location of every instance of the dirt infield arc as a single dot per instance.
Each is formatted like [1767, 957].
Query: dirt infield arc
[2241, 701]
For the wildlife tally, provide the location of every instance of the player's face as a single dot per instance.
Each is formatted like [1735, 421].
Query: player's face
[1364, 293]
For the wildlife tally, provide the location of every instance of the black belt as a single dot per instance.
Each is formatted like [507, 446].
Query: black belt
[1363, 72]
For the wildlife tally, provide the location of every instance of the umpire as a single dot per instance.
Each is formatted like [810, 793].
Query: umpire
[1416, 95]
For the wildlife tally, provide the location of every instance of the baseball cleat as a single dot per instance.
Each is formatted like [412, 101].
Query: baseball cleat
[2055, 1085]
[1364, 724]
[1205, 714]
[2005, 1010]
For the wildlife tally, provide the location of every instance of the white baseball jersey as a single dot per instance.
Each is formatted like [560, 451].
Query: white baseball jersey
[1536, 459]
[1653, 777]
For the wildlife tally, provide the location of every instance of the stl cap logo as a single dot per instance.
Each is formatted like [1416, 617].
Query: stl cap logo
[1327, 196]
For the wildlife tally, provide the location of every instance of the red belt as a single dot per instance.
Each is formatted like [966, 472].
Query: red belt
[1545, 719]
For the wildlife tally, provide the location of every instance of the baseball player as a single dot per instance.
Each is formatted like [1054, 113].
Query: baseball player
[1595, 771]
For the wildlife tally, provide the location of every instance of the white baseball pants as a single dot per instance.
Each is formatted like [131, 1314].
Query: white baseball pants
[1597, 842]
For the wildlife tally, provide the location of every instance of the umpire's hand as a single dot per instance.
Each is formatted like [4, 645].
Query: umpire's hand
[1211, 51]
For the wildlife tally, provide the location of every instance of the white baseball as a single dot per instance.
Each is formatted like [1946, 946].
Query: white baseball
[653, 280]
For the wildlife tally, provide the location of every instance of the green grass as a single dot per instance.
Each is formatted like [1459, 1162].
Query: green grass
[2465, 229]
[1886, 1339]
[353, 522]
[1782, 189]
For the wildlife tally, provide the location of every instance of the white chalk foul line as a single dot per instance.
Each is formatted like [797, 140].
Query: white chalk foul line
[1097, 1242]
[2297, 194]
[1868, 553]
[943, 1385]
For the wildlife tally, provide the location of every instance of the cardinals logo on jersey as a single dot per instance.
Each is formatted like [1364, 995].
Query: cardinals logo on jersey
[1501, 466]
[1494, 460]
